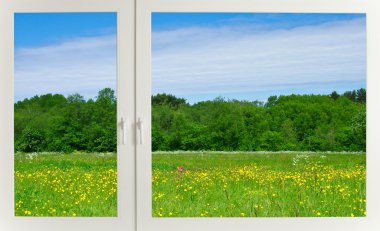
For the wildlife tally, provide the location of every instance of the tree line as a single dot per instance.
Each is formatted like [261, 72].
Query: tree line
[295, 122]
[335, 122]
[56, 123]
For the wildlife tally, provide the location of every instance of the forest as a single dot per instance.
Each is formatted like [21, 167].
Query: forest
[334, 122]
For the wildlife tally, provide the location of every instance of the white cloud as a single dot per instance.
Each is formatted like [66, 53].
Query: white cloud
[240, 59]
[81, 65]
[205, 62]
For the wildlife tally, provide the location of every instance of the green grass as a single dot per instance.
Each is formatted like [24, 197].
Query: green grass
[54, 184]
[212, 184]
[286, 184]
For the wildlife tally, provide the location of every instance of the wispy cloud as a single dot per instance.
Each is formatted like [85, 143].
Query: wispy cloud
[80, 65]
[245, 60]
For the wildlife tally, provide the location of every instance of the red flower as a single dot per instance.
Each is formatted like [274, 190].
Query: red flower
[181, 169]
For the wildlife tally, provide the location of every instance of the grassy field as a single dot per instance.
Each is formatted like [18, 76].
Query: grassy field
[259, 184]
[192, 184]
[53, 184]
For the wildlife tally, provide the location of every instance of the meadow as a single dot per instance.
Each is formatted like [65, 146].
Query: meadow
[70, 185]
[266, 184]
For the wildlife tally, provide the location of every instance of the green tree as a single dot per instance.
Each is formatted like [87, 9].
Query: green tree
[334, 95]
[361, 95]
[31, 140]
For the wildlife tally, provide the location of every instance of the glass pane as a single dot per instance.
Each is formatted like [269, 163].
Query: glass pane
[65, 114]
[258, 115]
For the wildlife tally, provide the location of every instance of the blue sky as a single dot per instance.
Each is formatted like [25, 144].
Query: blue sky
[170, 21]
[201, 56]
[64, 53]
[41, 29]
[198, 56]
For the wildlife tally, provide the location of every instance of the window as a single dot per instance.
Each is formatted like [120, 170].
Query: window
[217, 115]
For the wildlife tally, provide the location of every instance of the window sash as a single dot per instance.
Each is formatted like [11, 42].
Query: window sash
[125, 10]
[145, 8]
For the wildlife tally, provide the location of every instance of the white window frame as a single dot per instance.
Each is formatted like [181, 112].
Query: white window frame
[125, 10]
[146, 222]
[134, 97]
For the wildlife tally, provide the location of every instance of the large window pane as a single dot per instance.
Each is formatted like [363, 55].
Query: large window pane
[258, 115]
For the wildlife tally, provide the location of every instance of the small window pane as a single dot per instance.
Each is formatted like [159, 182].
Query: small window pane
[65, 115]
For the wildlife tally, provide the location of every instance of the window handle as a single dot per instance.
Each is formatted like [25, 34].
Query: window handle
[124, 131]
[140, 126]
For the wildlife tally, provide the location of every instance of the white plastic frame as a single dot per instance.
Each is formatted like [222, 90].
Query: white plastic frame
[125, 220]
[146, 222]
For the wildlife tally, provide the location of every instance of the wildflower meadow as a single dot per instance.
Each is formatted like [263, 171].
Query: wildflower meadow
[70, 185]
[278, 184]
